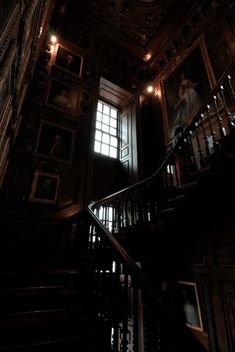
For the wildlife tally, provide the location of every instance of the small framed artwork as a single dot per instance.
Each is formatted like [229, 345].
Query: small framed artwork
[68, 60]
[185, 87]
[55, 142]
[63, 97]
[188, 300]
[45, 188]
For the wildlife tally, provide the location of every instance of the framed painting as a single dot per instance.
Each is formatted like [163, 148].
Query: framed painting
[188, 301]
[68, 60]
[185, 88]
[55, 142]
[45, 188]
[63, 97]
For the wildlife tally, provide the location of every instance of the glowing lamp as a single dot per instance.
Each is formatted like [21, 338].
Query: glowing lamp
[54, 39]
[150, 89]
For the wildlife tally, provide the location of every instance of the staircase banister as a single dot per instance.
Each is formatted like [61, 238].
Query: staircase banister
[133, 197]
[135, 185]
[208, 98]
[136, 273]
[172, 147]
[150, 291]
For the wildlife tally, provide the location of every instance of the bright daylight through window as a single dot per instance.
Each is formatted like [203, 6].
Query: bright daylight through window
[106, 134]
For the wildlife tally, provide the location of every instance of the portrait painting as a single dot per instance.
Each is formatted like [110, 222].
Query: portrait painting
[55, 142]
[188, 301]
[44, 187]
[63, 97]
[185, 89]
[68, 60]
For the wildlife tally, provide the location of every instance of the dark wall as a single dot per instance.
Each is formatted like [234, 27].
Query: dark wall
[108, 176]
[41, 119]
[152, 135]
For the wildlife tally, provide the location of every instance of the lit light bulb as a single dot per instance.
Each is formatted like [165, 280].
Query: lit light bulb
[147, 57]
[54, 39]
[150, 89]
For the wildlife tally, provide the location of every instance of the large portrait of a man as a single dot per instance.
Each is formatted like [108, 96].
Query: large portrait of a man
[68, 60]
[63, 97]
[186, 88]
[55, 142]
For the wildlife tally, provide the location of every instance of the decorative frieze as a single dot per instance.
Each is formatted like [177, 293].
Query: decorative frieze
[10, 31]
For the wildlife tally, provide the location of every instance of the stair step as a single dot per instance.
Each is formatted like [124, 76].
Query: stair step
[184, 189]
[166, 212]
[37, 316]
[200, 172]
[40, 326]
[42, 297]
[188, 185]
[20, 279]
[69, 344]
[45, 308]
[176, 199]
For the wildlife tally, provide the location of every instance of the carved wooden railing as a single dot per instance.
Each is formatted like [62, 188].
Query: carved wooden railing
[134, 316]
[137, 316]
[190, 151]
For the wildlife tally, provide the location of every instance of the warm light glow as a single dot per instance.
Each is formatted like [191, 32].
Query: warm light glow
[147, 57]
[158, 93]
[40, 32]
[150, 89]
[54, 39]
[141, 99]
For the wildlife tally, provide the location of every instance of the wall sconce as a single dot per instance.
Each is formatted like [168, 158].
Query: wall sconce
[53, 41]
[154, 91]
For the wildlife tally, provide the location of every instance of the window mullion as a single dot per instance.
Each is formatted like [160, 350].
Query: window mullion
[107, 125]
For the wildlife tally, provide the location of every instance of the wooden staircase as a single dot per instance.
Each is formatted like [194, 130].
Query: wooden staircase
[111, 300]
[46, 309]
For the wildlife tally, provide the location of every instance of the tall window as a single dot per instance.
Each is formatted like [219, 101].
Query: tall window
[106, 133]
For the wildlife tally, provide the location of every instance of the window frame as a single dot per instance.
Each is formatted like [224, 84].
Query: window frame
[108, 133]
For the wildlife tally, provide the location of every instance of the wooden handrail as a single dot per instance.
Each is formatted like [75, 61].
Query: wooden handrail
[150, 291]
[121, 199]
[172, 149]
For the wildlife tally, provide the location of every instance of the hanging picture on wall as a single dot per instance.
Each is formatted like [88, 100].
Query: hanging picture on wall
[44, 188]
[68, 60]
[55, 142]
[63, 97]
[188, 301]
[185, 88]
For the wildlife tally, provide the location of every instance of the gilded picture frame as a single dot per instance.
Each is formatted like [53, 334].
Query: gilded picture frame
[63, 97]
[68, 60]
[184, 87]
[55, 142]
[45, 187]
[188, 300]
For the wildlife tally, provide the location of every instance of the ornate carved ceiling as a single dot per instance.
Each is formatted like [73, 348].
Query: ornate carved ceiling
[137, 20]
[139, 24]
[144, 28]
